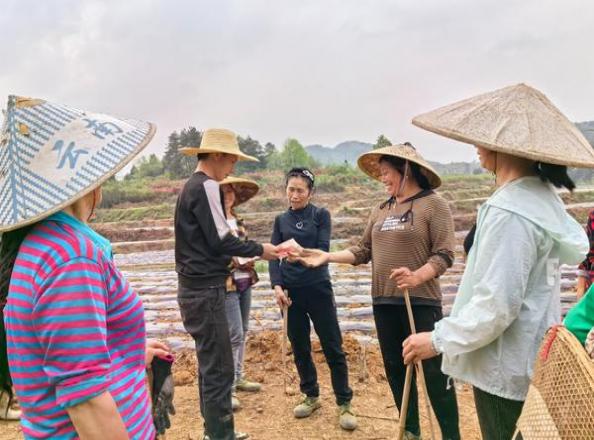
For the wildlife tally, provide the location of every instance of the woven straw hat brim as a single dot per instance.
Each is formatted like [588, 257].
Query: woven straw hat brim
[52, 155]
[245, 189]
[193, 151]
[369, 162]
[517, 120]
[218, 140]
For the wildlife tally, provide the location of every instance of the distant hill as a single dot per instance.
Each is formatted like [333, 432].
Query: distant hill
[457, 168]
[349, 151]
[587, 128]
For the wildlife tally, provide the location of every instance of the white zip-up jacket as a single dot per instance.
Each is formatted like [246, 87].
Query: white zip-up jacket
[510, 291]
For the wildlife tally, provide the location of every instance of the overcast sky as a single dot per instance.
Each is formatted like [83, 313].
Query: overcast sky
[322, 71]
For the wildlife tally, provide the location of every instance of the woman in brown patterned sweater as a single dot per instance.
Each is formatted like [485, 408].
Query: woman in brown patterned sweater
[410, 241]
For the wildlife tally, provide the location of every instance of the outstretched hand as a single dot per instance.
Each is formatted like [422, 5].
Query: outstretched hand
[311, 257]
[270, 252]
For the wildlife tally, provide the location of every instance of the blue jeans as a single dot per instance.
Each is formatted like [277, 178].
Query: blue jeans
[237, 307]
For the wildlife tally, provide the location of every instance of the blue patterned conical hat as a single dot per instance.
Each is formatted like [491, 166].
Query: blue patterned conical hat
[52, 155]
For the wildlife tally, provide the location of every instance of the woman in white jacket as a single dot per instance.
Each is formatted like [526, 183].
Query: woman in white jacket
[510, 292]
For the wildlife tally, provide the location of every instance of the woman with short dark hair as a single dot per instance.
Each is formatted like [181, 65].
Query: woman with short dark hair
[309, 295]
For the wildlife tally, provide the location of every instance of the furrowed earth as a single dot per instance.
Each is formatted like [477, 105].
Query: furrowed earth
[144, 253]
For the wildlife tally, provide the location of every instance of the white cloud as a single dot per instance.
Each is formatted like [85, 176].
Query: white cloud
[323, 71]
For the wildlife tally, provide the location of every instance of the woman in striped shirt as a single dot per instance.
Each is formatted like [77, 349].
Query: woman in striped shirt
[75, 330]
[410, 241]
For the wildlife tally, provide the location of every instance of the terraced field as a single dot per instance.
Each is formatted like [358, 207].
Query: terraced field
[152, 276]
[144, 252]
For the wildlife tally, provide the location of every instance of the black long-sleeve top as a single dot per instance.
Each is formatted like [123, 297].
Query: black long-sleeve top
[204, 243]
[314, 233]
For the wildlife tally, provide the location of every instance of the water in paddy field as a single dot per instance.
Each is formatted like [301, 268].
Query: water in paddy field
[152, 276]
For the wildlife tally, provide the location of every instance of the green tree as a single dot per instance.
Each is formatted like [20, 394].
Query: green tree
[292, 155]
[132, 174]
[148, 167]
[176, 164]
[269, 150]
[381, 142]
[171, 158]
[253, 148]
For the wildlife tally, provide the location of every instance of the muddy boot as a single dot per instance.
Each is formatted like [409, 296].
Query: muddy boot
[245, 385]
[6, 412]
[307, 407]
[219, 424]
[346, 417]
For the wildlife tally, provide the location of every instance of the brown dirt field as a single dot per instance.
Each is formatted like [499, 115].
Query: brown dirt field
[268, 415]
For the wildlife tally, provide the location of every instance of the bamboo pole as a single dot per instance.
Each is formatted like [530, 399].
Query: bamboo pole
[419, 365]
[404, 405]
[285, 310]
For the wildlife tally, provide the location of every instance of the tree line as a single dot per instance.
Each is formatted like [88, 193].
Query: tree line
[175, 165]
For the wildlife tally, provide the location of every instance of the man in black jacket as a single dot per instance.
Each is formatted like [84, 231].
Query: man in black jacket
[204, 245]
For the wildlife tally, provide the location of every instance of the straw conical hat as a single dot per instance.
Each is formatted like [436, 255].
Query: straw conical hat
[517, 120]
[52, 155]
[218, 140]
[244, 189]
[369, 162]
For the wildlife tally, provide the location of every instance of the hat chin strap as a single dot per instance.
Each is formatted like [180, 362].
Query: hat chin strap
[92, 214]
[495, 170]
[402, 181]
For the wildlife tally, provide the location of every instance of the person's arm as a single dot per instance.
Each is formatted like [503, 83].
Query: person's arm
[98, 419]
[585, 267]
[361, 253]
[274, 265]
[211, 217]
[324, 230]
[76, 359]
[443, 243]
[408, 279]
[580, 287]
[276, 279]
[442, 236]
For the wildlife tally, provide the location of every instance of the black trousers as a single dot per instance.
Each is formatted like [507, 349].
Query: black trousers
[316, 302]
[393, 328]
[497, 415]
[204, 317]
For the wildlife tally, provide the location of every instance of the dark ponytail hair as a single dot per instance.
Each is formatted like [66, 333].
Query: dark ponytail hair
[10, 243]
[398, 164]
[555, 174]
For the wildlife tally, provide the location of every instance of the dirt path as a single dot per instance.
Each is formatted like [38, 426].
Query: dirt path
[268, 415]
